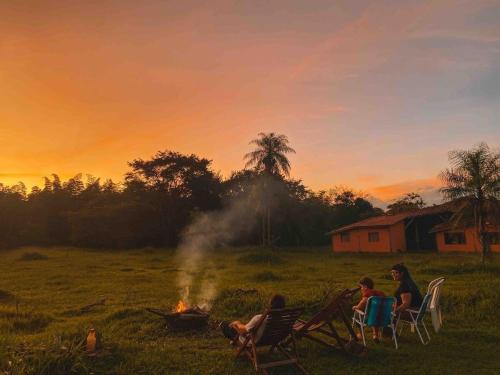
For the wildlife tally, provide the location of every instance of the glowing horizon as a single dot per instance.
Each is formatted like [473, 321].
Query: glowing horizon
[372, 95]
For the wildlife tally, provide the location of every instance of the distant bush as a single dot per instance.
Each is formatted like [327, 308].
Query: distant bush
[261, 258]
[33, 256]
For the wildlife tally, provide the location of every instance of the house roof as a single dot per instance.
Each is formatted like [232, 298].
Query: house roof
[388, 220]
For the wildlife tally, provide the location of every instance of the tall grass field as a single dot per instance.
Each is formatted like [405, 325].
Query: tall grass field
[49, 298]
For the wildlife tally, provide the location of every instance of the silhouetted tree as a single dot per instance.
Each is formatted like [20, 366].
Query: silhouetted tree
[269, 158]
[159, 199]
[175, 185]
[473, 181]
[409, 202]
[13, 212]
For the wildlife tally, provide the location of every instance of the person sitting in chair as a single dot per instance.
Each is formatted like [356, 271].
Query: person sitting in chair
[237, 329]
[366, 285]
[407, 294]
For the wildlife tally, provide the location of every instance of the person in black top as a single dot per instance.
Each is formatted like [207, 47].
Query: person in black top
[407, 294]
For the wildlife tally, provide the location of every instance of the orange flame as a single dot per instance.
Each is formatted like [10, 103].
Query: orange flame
[181, 306]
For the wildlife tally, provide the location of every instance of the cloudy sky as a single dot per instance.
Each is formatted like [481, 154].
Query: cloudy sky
[372, 94]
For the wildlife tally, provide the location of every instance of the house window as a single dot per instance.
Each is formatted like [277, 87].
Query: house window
[373, 237]
[345, 237]
[454, 238]
[493, 238]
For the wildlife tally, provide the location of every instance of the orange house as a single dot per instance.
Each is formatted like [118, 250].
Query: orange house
[451, 239]
[408, 231]
[375, 234]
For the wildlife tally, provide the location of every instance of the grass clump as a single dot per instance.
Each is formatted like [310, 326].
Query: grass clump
[232, 303]
[31, 256]
[6, 296]
[266, 276]
[58, 357]
[14, 321]
[462, 269]
[261, 258]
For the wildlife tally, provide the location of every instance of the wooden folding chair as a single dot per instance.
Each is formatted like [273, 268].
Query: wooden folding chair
[322, 324]
[278, 328]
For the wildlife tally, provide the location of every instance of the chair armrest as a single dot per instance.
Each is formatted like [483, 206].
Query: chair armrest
[359, 312]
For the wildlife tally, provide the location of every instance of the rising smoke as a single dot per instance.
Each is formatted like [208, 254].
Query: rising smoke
[211, 230]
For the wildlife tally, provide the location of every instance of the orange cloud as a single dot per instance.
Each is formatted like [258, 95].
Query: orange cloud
[393, 191]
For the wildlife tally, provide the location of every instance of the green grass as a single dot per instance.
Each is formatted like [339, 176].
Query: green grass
[43, 325]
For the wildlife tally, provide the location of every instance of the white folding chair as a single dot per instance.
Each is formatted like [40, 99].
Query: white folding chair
[434, 307]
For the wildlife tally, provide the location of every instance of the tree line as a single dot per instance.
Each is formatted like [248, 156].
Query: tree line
[156, 201]
[160, 197]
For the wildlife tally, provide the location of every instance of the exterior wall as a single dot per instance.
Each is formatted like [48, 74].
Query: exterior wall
[359, 241]
[471, 244]
[398, 237]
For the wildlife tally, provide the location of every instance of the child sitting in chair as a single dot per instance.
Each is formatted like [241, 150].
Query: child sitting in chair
[366, 284]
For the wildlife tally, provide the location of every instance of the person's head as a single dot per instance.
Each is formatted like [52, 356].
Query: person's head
[399, 272]
[277, 302]
[366, 283]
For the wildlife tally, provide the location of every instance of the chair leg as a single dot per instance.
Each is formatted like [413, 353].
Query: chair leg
[296, 359]
[426, 332]
[420, 335]
[394, 335]
[401, 329]
[294, 346]
[362, 328]
[255, 359]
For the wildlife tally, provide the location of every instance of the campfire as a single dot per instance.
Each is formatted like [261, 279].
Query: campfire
[184, 317]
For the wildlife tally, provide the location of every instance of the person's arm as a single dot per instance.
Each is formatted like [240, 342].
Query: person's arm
[361, 305]
[239, 327]
[405, 302]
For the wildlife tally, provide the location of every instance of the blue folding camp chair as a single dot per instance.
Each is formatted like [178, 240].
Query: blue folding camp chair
[379, 312]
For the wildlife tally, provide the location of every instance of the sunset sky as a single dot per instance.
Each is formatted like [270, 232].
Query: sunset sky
[372, 94]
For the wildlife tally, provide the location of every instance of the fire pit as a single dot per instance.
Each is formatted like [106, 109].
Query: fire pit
[184, 318]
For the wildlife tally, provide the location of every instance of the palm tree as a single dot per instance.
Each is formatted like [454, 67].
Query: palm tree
[270, 154]
[269, 157]
[473, 182]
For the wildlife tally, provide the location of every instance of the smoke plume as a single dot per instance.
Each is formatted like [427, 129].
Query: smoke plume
[208, 231]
